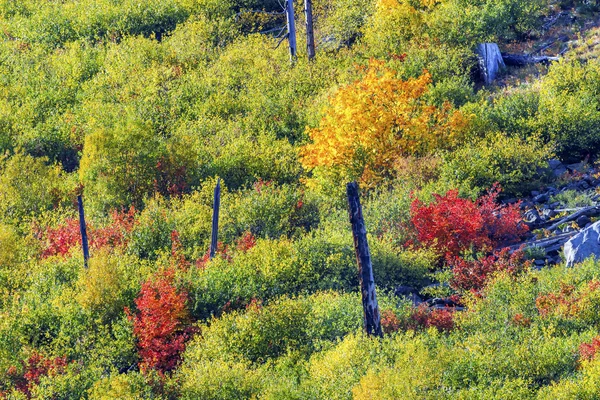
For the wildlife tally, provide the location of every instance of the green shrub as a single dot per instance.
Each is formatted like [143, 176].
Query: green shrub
[29, 187]
[510, 161]
[567, 112]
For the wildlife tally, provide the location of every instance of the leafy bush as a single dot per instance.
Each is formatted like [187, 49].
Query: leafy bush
[28, 187]
[453, 225]
[568, 97]
[398, 124]
[512, 162]
[161, 323]
[473, 275]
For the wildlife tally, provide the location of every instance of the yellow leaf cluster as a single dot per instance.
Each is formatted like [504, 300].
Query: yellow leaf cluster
[372, 122]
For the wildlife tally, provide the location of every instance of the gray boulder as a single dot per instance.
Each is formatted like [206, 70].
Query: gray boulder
[584, 245]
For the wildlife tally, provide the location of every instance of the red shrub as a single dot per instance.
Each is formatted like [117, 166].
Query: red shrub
[423, 317]
[521, 320]
[260, 184]
[161, 324]
[246, 242]
[115, 233]
[587, 351]
[389, 321]
[451, 224]
[178, 259]
[243, 244]
[61, 239]
[36, 367]
[473, 275]
[568, 302]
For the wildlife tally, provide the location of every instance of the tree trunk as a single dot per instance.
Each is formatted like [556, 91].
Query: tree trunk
[310, 34]
[490, 61]
[215, 220]
[520, 60]
[83, 231]
[372, 320]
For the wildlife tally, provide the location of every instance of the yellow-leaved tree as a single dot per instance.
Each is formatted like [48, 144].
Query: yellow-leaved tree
[371, 123]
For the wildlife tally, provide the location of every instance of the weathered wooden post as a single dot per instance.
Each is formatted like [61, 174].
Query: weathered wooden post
[490, 61]
[291, 25]
[310, 32]
[83, 230]
[215, 220]
[372, 320]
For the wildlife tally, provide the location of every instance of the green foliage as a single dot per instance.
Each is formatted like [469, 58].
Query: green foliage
[572, 199]
[29, 187]
[510, 161]
[567, 112]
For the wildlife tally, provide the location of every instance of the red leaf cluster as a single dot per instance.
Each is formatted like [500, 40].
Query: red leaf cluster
[567, 302]
[243, 244]
[587, 351]
[521, 320]
[423, 317]
[389, 321]
[161, 324]
[452, 225]
[59, 240]
[473, 275]
[246, 242]
[36, 367]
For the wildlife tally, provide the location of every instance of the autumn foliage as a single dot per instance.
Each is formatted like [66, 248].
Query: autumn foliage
[421, 317]
[473, 275]
[34, 368]
[373, 121]
[161, 324]
[59, 240]
[587, 351]
[452, 225]
[569, 302]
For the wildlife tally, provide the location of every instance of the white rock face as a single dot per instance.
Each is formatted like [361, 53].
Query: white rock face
[584, 245]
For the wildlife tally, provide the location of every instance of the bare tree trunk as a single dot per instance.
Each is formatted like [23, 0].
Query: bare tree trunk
[490, 61]
[372, 319]
[291, 25]
[310, 34]
[215, 221]
[83, 231]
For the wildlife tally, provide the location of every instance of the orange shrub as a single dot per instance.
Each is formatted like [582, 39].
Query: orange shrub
[373, 121]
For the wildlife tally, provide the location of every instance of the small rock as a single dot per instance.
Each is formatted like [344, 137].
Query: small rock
[549, 213]
[542, 198]
[409, 293]
[583, 185]
[579, 167]
[532, 217]
[539, 263]
[554, 164]
[534, 193]
[583, 220]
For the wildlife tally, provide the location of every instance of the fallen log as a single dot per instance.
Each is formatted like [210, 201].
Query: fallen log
[545, 242]
[519, 60]
[592, 211]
